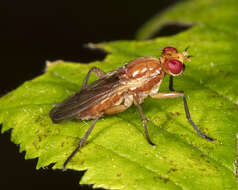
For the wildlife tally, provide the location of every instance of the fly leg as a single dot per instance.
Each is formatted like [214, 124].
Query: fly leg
[144, 120]
[181, 94]
[171, 83]
[81, 143]
[97, 71]
[175, 94]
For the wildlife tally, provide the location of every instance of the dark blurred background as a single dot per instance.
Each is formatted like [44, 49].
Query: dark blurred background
[33, 32]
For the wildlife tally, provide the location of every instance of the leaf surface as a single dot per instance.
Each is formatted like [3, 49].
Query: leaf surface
[117, 155]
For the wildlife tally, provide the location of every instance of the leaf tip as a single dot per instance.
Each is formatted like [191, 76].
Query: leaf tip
[50, 64]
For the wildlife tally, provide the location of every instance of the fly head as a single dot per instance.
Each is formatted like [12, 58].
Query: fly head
[173, 61]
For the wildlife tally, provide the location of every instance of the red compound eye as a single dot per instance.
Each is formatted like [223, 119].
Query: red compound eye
[175, 66]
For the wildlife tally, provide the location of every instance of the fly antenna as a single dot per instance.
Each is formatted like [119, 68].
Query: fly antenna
[186, 49]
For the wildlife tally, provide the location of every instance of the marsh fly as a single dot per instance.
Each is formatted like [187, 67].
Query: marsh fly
[116, 91]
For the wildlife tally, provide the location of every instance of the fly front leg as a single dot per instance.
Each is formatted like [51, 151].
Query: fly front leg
[175, 94]
[144, 120]
[171, 83]
[81, 143]
[97, 71]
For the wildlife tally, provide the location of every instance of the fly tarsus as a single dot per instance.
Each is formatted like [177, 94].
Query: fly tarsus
[192, 123]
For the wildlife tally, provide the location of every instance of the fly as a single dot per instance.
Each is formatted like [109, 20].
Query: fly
[116, 91]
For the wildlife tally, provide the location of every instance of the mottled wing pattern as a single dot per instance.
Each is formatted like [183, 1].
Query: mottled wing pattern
[86, 98]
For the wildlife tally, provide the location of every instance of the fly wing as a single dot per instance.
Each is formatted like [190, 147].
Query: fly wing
[85, 98]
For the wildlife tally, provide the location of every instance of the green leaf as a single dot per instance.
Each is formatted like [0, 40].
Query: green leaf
[117, 155]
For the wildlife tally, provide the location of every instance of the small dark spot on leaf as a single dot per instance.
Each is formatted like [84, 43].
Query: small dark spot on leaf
[168, 117]
[165, 179]
[154, 119]
[165, 157]
[202, 169]
[174, 114]
[35, 145]
[214, 95]
[119, 174]
[172, 170]
[41, 119]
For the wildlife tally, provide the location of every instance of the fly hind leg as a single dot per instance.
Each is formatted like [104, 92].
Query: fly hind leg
[112, 110]
[97, 71]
